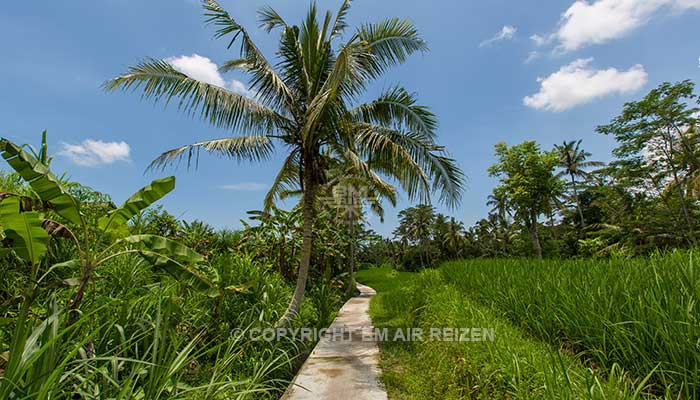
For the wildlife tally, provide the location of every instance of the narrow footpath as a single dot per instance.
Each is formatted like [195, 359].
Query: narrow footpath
[344, 363]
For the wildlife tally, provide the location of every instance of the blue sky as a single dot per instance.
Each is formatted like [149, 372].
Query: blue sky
[497, 71]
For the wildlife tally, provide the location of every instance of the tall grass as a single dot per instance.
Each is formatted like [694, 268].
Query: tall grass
[513, 366]
[641, 314]
[146, 336]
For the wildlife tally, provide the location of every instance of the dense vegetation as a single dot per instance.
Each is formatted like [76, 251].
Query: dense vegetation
[587, 271]
[572, 329]
[104, 301]
[513, 366]
[611, 313]
[96, 307]
[641, 314]
[559, 203]
[307, 104]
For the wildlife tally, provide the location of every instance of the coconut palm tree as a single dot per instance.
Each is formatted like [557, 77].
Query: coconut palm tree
[304, 102]
[499, 202]
[415, 227]
[453, 239]
[346, 191]
[573, 160]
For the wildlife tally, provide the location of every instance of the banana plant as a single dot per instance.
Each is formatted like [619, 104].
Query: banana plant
[98, 242]
[23, 232]
[278, 232]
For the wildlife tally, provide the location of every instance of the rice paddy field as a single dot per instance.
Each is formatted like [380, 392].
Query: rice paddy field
[589, 328]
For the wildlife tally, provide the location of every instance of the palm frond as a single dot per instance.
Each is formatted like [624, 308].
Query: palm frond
[158, 80]
[392, 40]
[346, 79]
[397, 108]
[270, 88]
[340, 24]
[287, 179]
[291, 63]
[270, 19]
[361, 171]
[234, 64]
[390, 156]
[414, 161]
[241, 148]
[588, 164]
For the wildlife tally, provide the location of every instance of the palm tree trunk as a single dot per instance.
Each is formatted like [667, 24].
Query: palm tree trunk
[307, 242]
[578, 201]
[421, 253]
[684, 206]
[551, 225]
[534, 235]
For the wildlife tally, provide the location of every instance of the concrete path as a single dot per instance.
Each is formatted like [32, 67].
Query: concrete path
[344, 363]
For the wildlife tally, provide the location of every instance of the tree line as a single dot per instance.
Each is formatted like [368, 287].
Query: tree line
[560, 202]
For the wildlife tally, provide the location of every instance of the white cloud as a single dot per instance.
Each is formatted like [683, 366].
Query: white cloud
[578, 83]
[205, 70]
[541, 40]
[506, 33]
[240, 88]
[95, 152]
[586, 23]
[245, 187]
[198, 67]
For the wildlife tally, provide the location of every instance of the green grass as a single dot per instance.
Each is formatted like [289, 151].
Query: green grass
[642, 314]
[514, 366]
[145, 336]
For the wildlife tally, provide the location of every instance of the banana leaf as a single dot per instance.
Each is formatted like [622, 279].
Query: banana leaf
[162, 245]
[41, 180]
[24, 230]
[178, 271]
[140, 200]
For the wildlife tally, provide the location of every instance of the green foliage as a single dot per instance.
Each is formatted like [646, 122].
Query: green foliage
[45, 184]
[140, 200]
[307, 102]
[656, 148]
[641, 314]
[527, 176]
[126, 340]
[644, 201]
[513, 366]
[23, 230]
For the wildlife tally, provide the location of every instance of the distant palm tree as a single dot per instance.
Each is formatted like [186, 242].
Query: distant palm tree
[347, 191]
[573, 160]
[453, 238]
[499, 202]
[305, 102]
[415, 226]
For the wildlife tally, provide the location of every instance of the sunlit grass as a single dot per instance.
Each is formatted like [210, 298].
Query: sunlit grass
[515, 365]
[641, 314]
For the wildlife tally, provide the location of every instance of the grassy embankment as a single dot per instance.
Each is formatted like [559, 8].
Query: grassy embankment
[570, 329]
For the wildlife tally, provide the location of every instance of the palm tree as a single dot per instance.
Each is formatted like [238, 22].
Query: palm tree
[573, 160]
[304, 102]
[453, 238]
[346, 191]
[500, 206]
[347, 183]
[415, 226]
